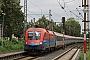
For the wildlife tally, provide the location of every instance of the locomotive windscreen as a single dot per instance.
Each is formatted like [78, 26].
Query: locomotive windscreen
[34, 35]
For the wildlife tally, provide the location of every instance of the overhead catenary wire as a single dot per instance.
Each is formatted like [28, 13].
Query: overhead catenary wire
[30, 16]
[37, 7]
[34, 4]
[35, 13]
[56, 13]
[39, 14]
[69, 9]
[76, 15]
[79, 13]
[65, 5]
[62, 8]
[41, 11]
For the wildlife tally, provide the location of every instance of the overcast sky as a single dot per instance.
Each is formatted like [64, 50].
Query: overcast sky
[37, 8]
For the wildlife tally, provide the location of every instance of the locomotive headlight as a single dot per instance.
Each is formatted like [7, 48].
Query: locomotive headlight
[26, 42]
[40, 42]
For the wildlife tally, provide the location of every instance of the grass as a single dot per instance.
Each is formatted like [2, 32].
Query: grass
[87, 53]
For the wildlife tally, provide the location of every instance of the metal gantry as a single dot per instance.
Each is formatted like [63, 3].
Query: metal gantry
[25, 15]
[2, 27]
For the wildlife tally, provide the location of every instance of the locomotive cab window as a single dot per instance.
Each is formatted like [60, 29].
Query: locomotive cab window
[34, 35]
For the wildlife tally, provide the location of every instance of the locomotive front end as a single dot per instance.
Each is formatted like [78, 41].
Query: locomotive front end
[33, 41]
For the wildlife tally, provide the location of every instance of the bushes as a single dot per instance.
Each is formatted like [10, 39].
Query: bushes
[11, 45]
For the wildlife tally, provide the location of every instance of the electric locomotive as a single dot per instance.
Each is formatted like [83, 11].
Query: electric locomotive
[39, 40]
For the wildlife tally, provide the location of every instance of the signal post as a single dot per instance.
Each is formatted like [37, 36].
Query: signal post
[85, 5]
[63, 22]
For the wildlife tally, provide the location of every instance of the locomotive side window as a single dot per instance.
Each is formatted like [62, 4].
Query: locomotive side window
[34, 35]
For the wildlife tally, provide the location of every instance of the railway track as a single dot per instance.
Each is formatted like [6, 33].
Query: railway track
[70, 54]
[29, 58]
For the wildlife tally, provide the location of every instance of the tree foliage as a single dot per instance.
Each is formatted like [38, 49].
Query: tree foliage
[0, 6]
[72, 27]
[13, 18]
[44, 23]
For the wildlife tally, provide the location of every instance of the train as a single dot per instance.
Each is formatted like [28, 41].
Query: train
[38, 40]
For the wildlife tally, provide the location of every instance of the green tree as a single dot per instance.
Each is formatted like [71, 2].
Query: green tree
[13, 19]
[57, 27]
[42, 22]
[72, 27]
[0, 6]
[30, 24]
[45, 23]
